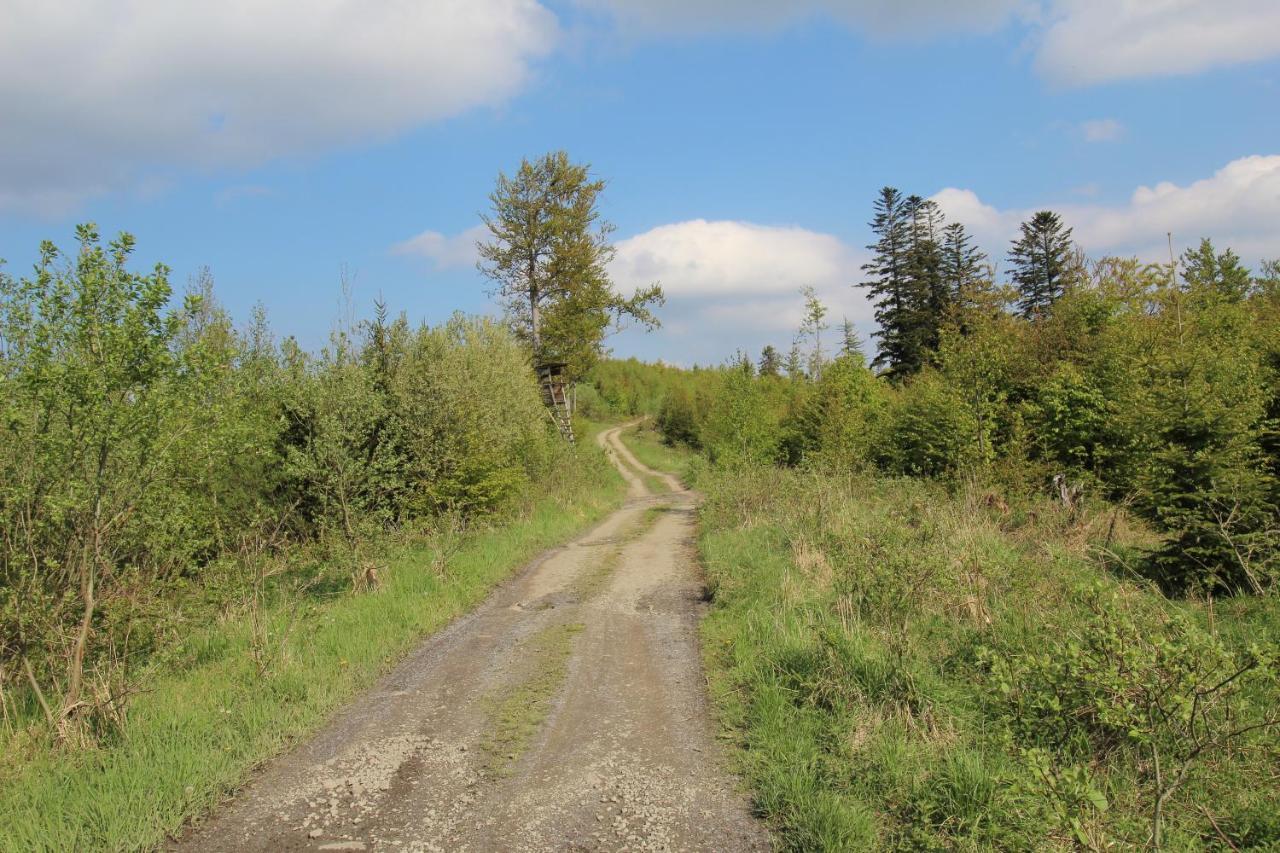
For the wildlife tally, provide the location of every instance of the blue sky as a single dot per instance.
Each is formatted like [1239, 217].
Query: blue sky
[743, 141]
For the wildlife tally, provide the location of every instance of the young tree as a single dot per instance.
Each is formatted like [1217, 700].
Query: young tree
[548, 252]
[795, 364]
[770, 361]
[811, 328]
[1042, 261]
[850, 343]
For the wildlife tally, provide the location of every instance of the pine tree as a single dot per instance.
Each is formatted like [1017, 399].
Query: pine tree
[887, 280]
[1041, 260]
[770, 361]
[1222, 274]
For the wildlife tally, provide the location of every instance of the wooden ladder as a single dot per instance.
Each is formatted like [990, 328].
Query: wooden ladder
[553, 394]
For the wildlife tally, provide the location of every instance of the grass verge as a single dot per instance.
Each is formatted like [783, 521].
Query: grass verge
[209, 717]
[904, 668]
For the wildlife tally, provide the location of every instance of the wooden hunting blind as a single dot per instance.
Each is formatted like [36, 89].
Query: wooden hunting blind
[557, 394]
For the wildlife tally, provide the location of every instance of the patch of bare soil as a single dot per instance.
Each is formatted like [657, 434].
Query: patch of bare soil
[568, 712]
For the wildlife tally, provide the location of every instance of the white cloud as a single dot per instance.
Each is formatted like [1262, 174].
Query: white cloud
[1101, 130]
[1096, 41]
[444, 251]
[702, 258]
[99, 96]
[730, 284]
[1238, 206]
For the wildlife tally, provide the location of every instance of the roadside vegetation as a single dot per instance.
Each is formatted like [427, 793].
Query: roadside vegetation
[911, 667]
[209, 538]
[1011, 585]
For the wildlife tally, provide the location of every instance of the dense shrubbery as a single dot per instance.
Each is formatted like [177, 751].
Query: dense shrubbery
[149, 453]
[1136, 386]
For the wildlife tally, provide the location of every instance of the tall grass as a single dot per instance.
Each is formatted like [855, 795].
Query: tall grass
[210, 714]
[860, 643]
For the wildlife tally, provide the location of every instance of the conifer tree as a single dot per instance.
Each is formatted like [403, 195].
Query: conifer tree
[929, 299]
[962, 265]
[1223, 274]
[795, 364]
[1041, 260]
[886, 282]
[850, 342]
[770, 361]
[812, 327]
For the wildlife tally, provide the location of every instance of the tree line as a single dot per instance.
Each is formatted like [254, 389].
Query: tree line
[1155, 386]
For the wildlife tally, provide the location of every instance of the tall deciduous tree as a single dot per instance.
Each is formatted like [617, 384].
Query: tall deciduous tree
[1042, 262]
[548, 252]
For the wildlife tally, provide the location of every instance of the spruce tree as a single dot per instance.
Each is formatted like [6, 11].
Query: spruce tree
[1041, 260]
[928, 297]
[850, 343]
[886, 281]
[962, 266]
[812, 327]
[795, 364]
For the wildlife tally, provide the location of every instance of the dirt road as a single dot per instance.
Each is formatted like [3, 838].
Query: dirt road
[566, 713]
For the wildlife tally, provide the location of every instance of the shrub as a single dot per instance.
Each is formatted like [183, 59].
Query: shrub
[931, 432]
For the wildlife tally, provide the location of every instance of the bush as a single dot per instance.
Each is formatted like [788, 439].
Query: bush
[931, 431]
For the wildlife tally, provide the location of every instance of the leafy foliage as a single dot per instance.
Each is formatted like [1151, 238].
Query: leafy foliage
[548, 253]
[153, 455]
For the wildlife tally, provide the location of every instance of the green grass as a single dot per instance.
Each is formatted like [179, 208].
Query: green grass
[519, 711]
[850, 650]
[209, 718]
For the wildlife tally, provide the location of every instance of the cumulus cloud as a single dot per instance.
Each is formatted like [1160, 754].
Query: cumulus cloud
[702, 258]
[729, 278]
[1101, 130]
[443, 250]
[96, 96]
[1239, 206]
[1096, 41]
